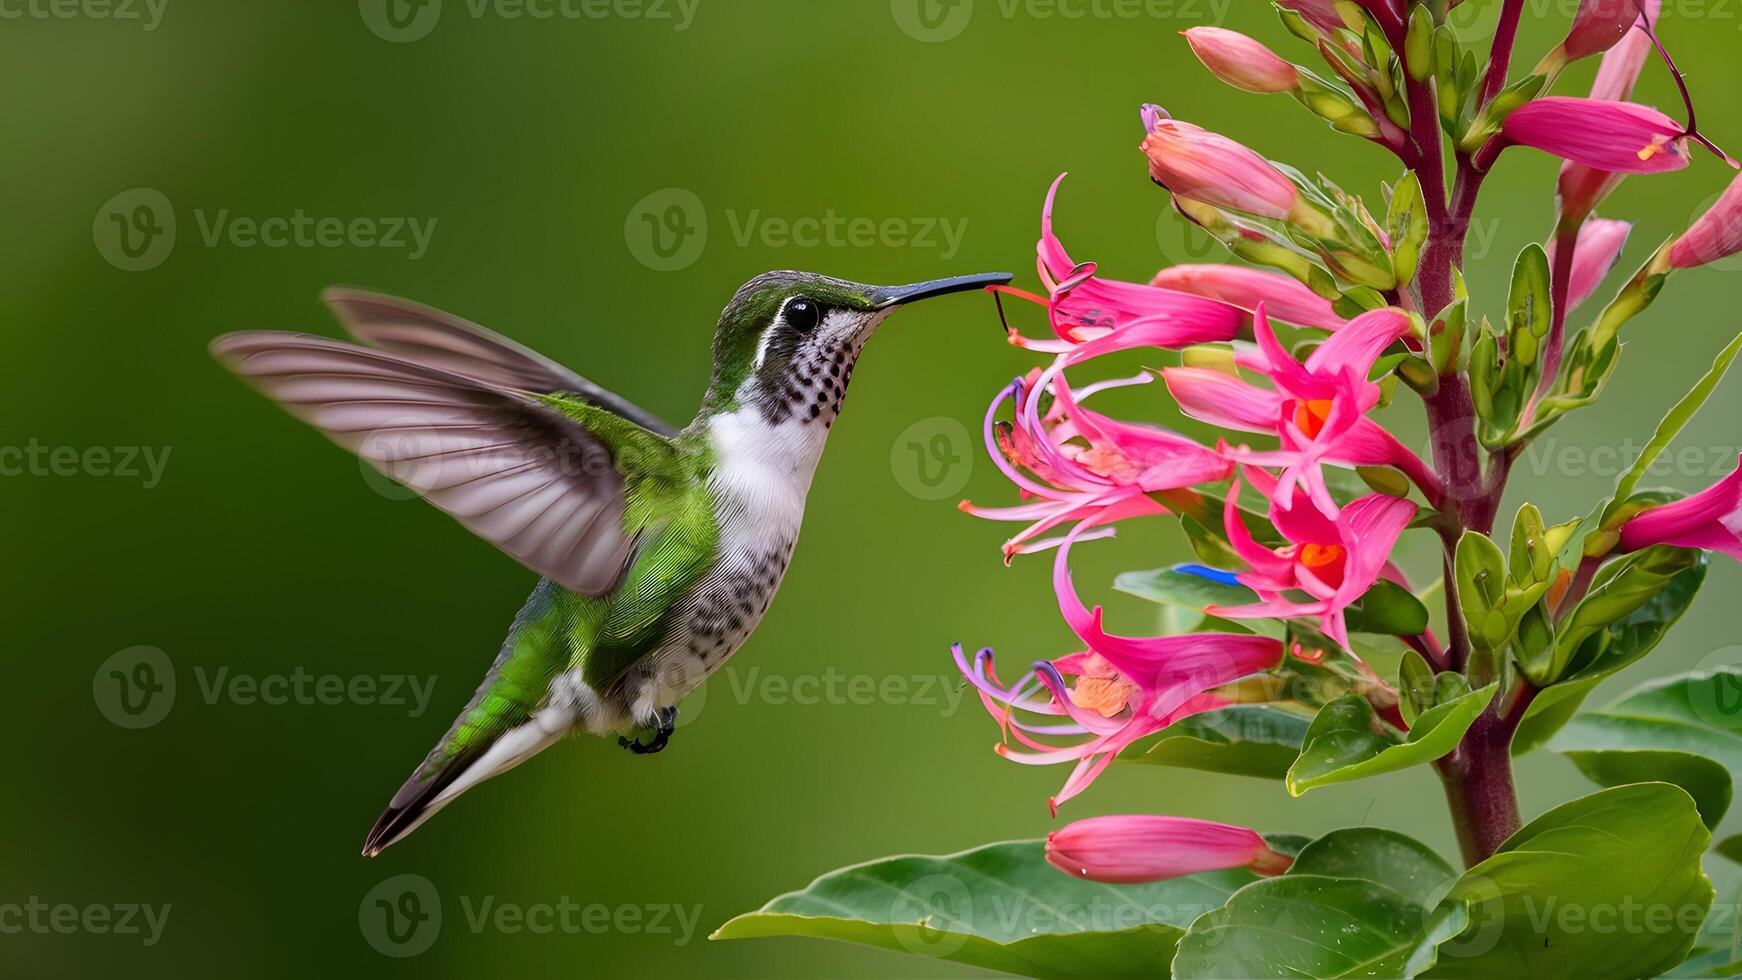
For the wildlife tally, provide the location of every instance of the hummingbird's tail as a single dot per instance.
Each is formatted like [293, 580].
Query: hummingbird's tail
[508, 721]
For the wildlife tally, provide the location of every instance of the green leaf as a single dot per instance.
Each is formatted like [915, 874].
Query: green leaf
[1259, 740]
[1415, 684]
[1302, 925]
[1676, 420]
[1681, 730]
[1173, 587]
[1407, 223]
[1623, 643]
[1606, 886]
[999, 907]
[1387, 608]
[1385, 857]
[1480, 567]
[1621, 588]
[1346, 743]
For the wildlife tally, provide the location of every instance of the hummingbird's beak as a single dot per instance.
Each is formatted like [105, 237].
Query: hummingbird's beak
[885, 297]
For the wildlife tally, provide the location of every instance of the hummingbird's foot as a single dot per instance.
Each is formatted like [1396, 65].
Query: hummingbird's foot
[667, 723]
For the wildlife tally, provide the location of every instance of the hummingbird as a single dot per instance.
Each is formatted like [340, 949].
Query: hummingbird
[659, 548]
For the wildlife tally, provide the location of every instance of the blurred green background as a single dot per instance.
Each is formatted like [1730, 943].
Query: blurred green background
[536, 148]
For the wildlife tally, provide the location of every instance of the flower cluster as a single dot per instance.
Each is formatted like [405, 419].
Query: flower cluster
[1296, 501]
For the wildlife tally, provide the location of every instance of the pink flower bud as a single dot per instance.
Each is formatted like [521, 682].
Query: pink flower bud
[1716, 235]
[1599, 26]
[1709, 519]
[1241, 62]
[1599, 246]
[1129, 850]
[1620, 137]
[1283, 296]
[1322, 14]
[1583, 188]
[1195, 163]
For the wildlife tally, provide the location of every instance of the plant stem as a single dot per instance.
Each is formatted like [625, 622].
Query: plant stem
[1478, 782]
[1477, 774]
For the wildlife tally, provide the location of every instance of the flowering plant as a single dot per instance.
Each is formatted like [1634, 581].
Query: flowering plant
[1302, 650]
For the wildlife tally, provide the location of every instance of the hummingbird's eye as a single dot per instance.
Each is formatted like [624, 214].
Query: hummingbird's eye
[803, 315]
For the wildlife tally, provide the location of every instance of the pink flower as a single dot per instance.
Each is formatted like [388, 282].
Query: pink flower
[1082, 307]
[1333, 559]
[1242, 62]
[1599, 246]
[1074, 464]
[1582, 188]
[1137, 685]
[1195, 163]
[1709, 519]
[1283, 296]
[1621, 137]
[1129, 850]
[1716, 235]
[1599, 26]
[1317, 409]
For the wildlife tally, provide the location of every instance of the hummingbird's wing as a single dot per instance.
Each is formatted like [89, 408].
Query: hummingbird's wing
[535, 481]
[442, 340]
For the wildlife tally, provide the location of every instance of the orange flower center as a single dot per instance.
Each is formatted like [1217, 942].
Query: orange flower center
[1106, 696]
[1318, 556]
[1310, 416]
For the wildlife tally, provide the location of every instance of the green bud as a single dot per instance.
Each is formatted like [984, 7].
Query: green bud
[1418, 45]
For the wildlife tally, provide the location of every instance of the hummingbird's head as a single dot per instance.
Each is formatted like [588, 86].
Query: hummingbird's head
[788, 341]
